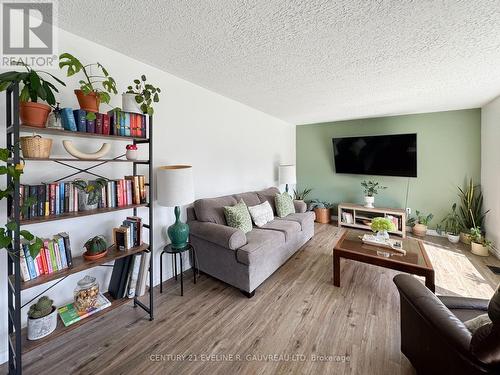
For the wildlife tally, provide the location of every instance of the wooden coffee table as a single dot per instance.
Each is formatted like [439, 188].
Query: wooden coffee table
[415, 261]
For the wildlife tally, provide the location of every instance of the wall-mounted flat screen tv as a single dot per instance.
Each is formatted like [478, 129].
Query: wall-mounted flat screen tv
[381, 155]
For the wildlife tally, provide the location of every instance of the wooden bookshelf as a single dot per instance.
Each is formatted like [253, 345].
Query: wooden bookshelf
[60, 132]
[61, 329]
[72, 215]
[67, 160]
[81, 264]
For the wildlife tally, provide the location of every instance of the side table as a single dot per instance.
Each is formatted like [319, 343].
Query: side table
[169, 250]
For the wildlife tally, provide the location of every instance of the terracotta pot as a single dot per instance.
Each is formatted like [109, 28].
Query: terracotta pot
[479, 249]
[34, 114]
[465, 238]
[419, 230]
[322, 215]
[96, 256]
[89, 102]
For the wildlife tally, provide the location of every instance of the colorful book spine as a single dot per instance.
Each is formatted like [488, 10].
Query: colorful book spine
[61, 198]
[81, 120]
[67, 248]
[98, 123]
[68, 119]
[62, 251]
[126, 125]
[44, 261]
[57, 254]
[25, 273]
[47, 255]
[91, 125]
[105, 124]
[29, 261]
[53, 260]
[143, 126]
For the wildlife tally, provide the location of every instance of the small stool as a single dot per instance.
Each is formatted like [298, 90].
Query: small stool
[169, 250]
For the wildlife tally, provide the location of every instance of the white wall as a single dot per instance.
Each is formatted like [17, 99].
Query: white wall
[490, 163]
[232, 148]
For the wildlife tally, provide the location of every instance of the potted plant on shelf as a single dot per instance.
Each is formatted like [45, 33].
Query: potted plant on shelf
[96, 248]
[452, 225]
[382, 225]
[89, 193]
[420, 223]
[471, 210]
[322, 210]
[300, 195]
[42, 319]
[35, 87]
[479, 244]
[371, 189]
[140, 97]
[89, 95]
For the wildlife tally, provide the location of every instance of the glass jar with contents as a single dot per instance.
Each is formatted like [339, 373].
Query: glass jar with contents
[86, 293]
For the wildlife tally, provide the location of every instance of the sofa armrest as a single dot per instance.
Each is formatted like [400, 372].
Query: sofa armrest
[300, 206]
[222, 235]
[456, 302]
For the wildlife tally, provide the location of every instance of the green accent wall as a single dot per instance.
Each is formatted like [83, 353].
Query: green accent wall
[448, 153]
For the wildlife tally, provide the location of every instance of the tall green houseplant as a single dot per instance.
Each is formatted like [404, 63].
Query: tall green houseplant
[471, 207]
[6, 239]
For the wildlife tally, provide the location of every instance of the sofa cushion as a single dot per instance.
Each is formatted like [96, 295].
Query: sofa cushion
[237, 216]
[259, 242]
[212, 209]
[289, 228]
[475, 323]
[494, 307]
[284, 204]
[250, 199]
[303, 218]
[268, 195]
[261, 214]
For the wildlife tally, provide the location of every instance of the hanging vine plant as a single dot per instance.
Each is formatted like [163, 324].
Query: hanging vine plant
[15, 172]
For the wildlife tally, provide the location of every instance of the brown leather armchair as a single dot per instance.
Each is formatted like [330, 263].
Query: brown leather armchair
[434, 337]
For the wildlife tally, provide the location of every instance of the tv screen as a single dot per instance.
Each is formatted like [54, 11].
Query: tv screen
[382, 155]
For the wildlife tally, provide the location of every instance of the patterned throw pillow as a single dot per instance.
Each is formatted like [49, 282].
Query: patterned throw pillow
[284, 204]
[261, 213]
[237, 216]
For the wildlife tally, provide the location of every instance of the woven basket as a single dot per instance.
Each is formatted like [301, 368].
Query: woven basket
[36, 147]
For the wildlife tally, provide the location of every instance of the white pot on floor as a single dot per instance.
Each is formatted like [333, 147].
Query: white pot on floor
[369, 201]
[453, 238]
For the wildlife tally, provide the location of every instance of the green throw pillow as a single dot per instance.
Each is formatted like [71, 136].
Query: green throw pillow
[284, 204]
[237, 216]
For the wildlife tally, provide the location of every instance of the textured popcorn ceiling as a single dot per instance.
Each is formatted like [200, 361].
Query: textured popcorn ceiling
[310, 61]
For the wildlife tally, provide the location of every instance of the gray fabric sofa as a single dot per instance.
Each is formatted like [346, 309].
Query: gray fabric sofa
[245, 261]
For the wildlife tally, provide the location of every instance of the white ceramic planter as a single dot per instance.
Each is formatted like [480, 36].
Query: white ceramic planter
[479, 249]
[132, 154]
[83, 198]
[41, 327]
[369, 201]
[453, 238]
[129, 104]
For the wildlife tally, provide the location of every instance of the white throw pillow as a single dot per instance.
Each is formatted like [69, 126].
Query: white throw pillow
[261, 214]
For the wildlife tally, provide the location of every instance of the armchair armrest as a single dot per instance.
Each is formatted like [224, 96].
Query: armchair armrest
[456, 302]
[300, 206]
[222, 235]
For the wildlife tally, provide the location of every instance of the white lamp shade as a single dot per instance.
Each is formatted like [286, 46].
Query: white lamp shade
[174, 185]
[287, 174]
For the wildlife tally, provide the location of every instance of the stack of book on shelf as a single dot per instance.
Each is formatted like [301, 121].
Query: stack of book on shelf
[347, 218]
[396, 220]
[112, 123]
[70, 315]
[62, 197]
[55, 255]
[129, 276]
[129, 234]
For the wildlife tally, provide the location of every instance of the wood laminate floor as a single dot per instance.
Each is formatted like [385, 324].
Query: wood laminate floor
[297, 322]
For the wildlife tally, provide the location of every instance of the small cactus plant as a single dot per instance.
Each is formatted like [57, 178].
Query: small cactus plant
[96, 245]
[40, 309]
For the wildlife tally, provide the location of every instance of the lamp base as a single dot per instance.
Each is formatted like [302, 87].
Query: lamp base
[178, 232]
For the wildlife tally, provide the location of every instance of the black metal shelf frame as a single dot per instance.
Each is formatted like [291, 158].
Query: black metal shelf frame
[14, 305]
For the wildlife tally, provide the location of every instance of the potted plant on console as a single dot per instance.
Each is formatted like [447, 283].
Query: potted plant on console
[42, 319]
[89, 95]
[89, 193]
[382, 226]
[300, 195]
[452, 225]
[140, 97]
[371, 189]
[32, 112]
[420, 223]
[322, 210]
